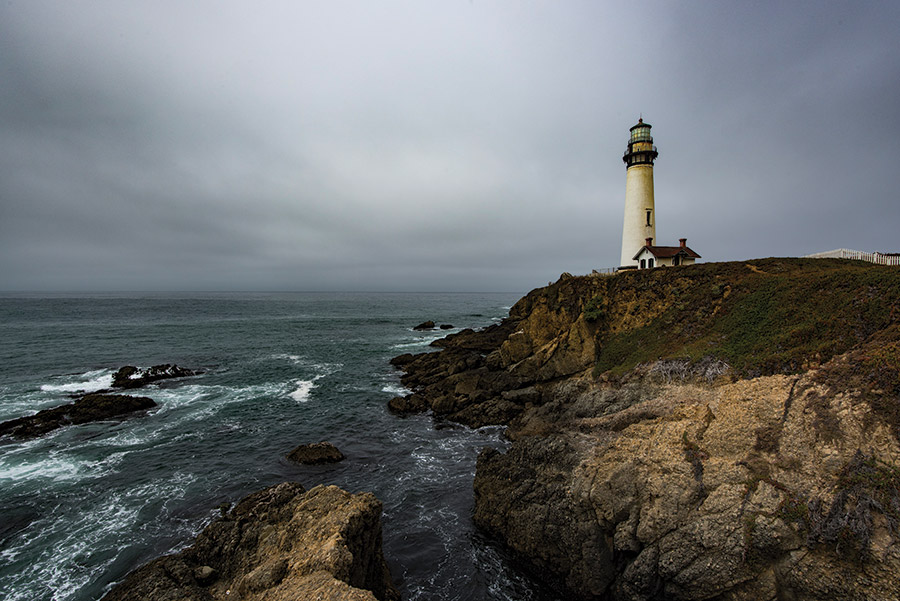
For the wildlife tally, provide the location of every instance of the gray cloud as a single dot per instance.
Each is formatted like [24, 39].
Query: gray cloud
[423, 146]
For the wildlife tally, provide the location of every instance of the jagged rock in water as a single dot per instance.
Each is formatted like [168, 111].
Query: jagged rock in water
[88, 408]
[316, 453]
[278, 544]
[133, 377]
[425, 325]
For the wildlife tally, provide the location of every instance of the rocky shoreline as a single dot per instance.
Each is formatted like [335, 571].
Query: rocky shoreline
[764, 468]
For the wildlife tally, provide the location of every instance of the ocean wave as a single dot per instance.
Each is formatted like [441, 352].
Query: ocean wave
[396, 389]
[21, 469]
[91, 381]
[51, 468]
[419, 342]
[108, 524]
[295, 359]
[304, 388]
[304, 361]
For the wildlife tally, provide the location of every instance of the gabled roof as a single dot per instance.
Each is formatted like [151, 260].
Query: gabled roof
[667, 252]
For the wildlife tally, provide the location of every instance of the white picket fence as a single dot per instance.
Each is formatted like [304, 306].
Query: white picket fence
[858, 255]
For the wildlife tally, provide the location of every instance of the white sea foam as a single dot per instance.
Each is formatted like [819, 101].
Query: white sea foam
[54, 468]
[91, 381]
[304, 388]
[327, 369]
[295, 359]
[418, 342]
[396, 389]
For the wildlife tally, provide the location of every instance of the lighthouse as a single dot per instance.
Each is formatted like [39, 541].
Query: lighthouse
[639, 228]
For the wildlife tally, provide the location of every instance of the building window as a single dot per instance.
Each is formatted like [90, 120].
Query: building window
[650, 263]
[643, 264]
[675, 261]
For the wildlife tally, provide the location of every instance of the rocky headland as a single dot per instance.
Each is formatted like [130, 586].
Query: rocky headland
[281, 543]
[719, 431]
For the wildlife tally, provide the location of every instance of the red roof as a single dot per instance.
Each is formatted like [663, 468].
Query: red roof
[667, 252]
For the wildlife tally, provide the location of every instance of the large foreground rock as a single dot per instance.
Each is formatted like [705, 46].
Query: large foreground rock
[278, 544]
[779, 487]
[88, 408]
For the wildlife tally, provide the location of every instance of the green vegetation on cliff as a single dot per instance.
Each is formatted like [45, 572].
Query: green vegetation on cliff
[763, 316]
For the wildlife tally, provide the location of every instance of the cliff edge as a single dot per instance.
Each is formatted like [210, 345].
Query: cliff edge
[719, 431]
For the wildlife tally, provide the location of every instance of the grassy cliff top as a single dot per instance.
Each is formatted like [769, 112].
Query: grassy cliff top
[762, 316]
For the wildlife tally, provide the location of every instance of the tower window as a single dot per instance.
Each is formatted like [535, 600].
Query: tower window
[648, 217]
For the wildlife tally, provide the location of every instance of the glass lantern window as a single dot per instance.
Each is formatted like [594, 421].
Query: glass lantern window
[641, 134]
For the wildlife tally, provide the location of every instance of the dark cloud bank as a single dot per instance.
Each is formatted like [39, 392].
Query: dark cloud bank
[431, 146]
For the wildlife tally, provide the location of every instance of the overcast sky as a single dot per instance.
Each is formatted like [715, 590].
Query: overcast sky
[454, 145]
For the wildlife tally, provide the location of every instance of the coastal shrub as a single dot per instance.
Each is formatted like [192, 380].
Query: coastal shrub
[593, 310]
[873, 371]
[866, 488]
[707, 369]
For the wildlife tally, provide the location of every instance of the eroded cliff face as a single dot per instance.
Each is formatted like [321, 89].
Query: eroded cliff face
[277, 544]
[492, 376]
[770, 488]
[708, 432]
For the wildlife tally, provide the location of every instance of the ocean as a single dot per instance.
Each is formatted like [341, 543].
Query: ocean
[84, 505]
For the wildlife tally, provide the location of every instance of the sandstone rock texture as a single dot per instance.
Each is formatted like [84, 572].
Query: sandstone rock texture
[278, 544]
[88, 408]
[718, 431]
[770, 488]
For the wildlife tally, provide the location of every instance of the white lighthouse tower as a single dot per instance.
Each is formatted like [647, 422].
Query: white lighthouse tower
[640, 214]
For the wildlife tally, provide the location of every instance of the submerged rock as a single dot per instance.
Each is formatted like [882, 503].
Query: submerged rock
[88, 408]
[312, 454]
[130, 376]
[276, 544]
